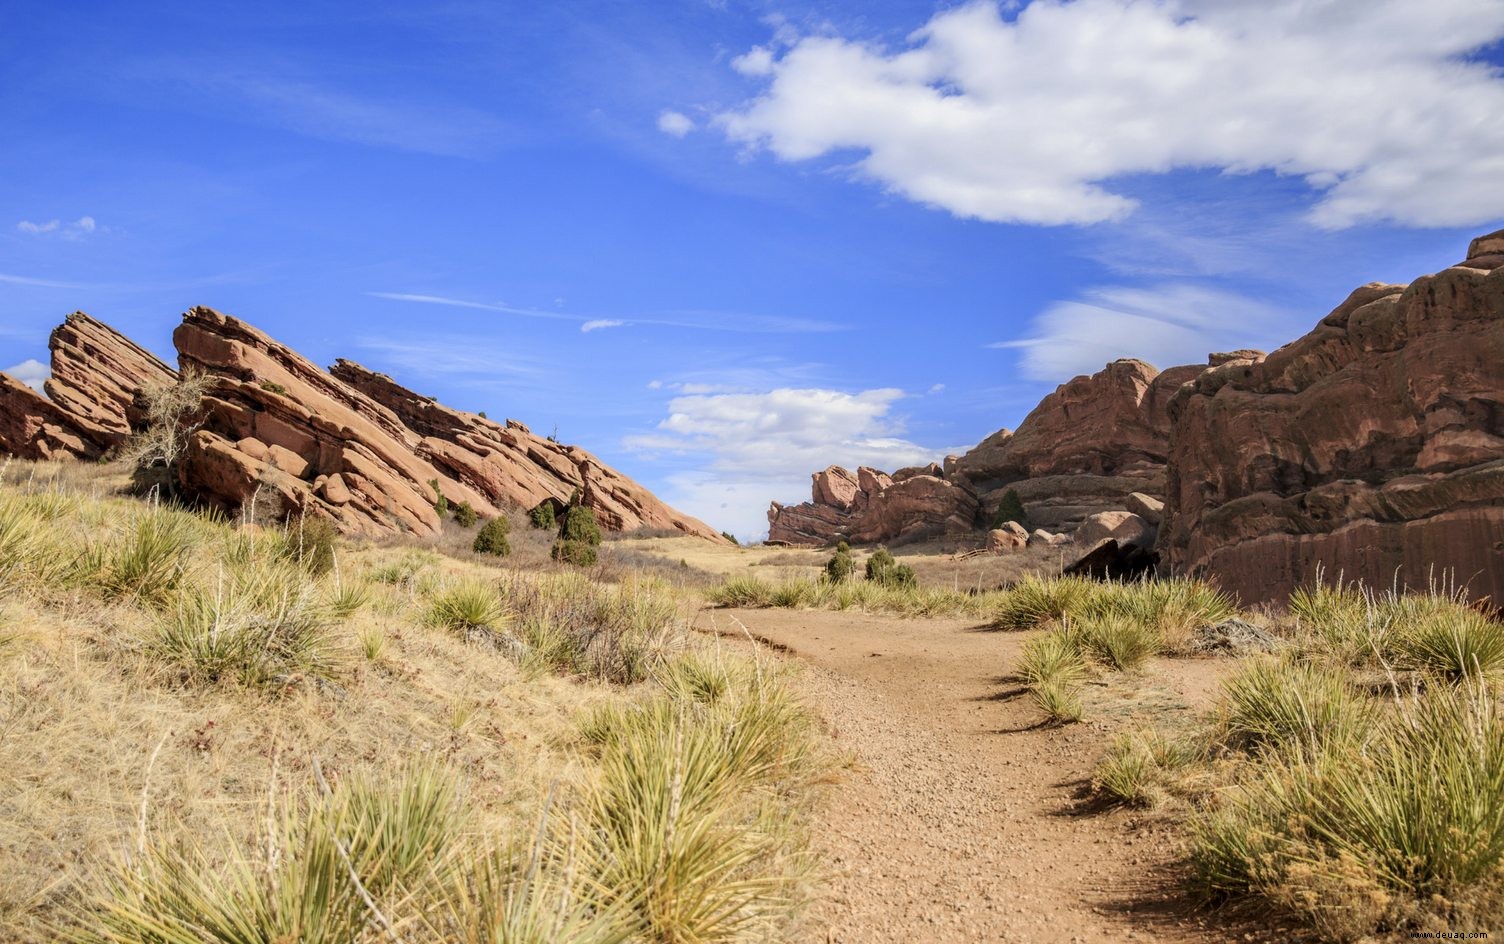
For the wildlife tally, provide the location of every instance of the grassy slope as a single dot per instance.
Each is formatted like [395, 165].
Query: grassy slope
[115, 747]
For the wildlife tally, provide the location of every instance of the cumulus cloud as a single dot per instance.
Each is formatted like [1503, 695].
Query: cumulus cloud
[79, 228]
[675, 124]
[1164, 325]
[596, 324]
[32, 372]
[1372, 102]
[762, 446]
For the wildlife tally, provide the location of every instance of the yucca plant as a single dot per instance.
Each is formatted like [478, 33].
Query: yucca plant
[1052, 656]
[1033, 601]
[1277, 703]
[1059, 699]
[146, 562]
[467, 606]
[1121, 642]
[1128, 774]
[1454, 643]
[746, 592]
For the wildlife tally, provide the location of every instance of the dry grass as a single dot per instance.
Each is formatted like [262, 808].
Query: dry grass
[162, 716]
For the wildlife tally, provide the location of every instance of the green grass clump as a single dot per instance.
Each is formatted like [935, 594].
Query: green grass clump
[1034, 601]
[795, 594]
[1277, 703]
[1049, 656]
[1139, 769]
[1120, 642]
[492, 537]
[742, 591]
[1453, 643]
[258, 624]
[1058, 699]
[146, 562]
[1172, 608]
[467, 606]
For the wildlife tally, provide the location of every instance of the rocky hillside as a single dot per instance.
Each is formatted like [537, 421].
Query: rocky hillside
[277, 432]
[1372, 448]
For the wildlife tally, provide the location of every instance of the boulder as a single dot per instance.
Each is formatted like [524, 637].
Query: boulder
[909, 472]
[1124, 527]
[1146, 507]
[1371, 448]
[1041, 538]
[835, 487]
[1000, 540]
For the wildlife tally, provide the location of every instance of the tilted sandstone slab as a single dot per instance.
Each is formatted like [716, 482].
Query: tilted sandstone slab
[512, 467]
[93, 396]
[99, 375]
[921, 506]
[280, 431]
[1372, 448]
[870, 505]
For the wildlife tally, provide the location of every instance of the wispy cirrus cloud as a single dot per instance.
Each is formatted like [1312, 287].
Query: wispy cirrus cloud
[77, 229]
[699, 319]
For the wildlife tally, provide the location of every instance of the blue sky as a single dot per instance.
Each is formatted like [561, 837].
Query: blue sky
[725, 244]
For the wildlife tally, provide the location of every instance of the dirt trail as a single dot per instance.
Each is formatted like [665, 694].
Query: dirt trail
[964, 820]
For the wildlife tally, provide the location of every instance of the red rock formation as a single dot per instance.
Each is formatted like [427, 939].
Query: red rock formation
[512, 467]
[1085, 448]
[98, 374]
[1372, 447]
[920, 506]
[97, 379]
[873, 506]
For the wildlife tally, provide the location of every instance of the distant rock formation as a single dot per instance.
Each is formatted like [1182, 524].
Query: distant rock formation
[871, 506]
[1373, 447]
[93, 394]
[288, 438]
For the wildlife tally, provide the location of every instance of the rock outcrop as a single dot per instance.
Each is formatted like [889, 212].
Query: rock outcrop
[1372, 448]
[872, 506]
[93, 397]
[511, 467]
[357, 448]
[1085, 448]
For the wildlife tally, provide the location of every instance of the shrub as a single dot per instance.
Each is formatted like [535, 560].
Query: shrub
[580, 526]
[731, 537]
[492, 537]
[794, 594]
[578, 553]
[465, 515]
[542, 516]
[1010, 508]
[840, 567]
[883, 569]
[274, 387]
[173, 414]
[440, 503]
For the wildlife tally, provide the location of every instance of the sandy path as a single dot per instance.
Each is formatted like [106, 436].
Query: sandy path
[964, 821]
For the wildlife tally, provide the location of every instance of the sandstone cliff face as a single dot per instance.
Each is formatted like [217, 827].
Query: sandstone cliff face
[92, 401]
[512, 467]
[1085, 448]
[1373, 446]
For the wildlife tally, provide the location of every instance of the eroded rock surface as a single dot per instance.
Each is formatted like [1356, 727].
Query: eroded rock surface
[1372, 447]
[93, 397]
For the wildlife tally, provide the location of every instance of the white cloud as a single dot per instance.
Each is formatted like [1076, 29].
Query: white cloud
[1370, 101]
[77, 229]
[32, 372]
[1165, 325]
[757, 447]
[675, 124]
[598, 323]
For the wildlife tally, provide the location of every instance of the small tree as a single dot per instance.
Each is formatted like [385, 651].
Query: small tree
[884, 569]
[542, 516]
[840, 567]
[492, 538]
[1010, 508]
[578, 553]
[580, 525]
[173, 415]
[465, 515]
[440, 503]
[730, 537]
